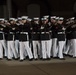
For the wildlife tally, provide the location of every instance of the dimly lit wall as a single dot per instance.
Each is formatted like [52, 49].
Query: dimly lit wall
[51, 7]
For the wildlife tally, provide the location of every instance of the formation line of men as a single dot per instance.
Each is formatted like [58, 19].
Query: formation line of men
[38, 38]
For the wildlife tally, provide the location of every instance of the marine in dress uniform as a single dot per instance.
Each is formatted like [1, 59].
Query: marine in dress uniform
[18, 22]
[24, 28]
[54, 36]
[6, 23]
[61, 37]
[29, 33]
[2, 39]
[36, 38]
[68, 37]
[45, 39]
[73, 37]
[12, 53]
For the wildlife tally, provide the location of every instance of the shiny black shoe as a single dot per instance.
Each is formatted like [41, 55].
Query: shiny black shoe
[36, 59]
[21, 60]
[55, 57]
[27, 57]
[48, 58]
[9, 59]
[44, 59]
[70, 56]
[40, 58]
[65, 54]
[1, 58]
[74, 57]
[16, 58]
[5, 57]
[62, 58]
[31, 59]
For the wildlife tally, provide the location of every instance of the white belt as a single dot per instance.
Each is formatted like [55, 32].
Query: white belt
[47, 32]
[61, 32]
[1, 32]
[50, 31]
[11, 33]
[44, 32]
[3, 35]
[23, 32]
[35, 32]
[17, 32]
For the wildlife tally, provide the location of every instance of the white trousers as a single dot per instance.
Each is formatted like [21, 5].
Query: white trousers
[3, 45]
[25, 46]
[50, 43]
[17, 46]
[67, 47]
[36, 49]
[11, 49]
[60, 48]
[64, 49]
[54, 47]
[46, 51]
[73, 41]
[5, 48]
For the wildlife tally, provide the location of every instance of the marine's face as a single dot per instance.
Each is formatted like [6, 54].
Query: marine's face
[60, 21]
[24, 21]
[45, 21]
[53, 20]
[20, 21]
[37, 21]
[11, 22]
[2, 22]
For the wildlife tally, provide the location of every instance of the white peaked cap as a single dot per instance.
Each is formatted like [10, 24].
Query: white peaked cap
[13, 19]
[46, 16]
[24, 17]
[19, 18]
[61, 18]
[57, 18]
[42, 19]
[36, 18]
[53, 17]
[2, 19]
[72, 18]
[29, 19]
[6, 20]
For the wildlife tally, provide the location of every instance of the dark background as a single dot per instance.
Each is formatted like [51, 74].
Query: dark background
[64, 8]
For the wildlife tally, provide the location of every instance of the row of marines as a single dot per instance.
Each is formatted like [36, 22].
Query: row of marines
[37, 38]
